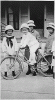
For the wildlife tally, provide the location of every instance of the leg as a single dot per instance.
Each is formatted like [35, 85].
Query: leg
[27, 55]
[5, 66]
[29, 70]
[33, 62]
[13, 68]
[49, 59]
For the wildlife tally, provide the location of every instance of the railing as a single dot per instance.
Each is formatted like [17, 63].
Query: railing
[2, 30]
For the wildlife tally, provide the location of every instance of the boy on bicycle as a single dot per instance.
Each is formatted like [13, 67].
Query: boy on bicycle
[33, 44]
[9, 45]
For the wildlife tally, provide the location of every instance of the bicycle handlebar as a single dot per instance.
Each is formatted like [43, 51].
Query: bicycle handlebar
[23, 48]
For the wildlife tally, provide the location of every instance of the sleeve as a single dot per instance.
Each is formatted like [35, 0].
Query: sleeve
[23, 42]
[3, 45]
[38, 36]
[53, 46]
[38, 44]
[16, 44]
[46, 46]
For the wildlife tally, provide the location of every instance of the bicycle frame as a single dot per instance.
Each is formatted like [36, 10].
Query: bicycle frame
[27, 61]
[37, 61]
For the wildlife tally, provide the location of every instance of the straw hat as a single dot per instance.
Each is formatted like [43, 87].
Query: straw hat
[8, 27]
[30, 23]
[24, 25]
[51, 25]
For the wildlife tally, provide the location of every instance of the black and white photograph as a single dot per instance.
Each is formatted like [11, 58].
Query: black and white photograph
[27, 49]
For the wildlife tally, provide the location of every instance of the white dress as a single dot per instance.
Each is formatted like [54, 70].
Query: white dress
[9, 50]
[33, 44]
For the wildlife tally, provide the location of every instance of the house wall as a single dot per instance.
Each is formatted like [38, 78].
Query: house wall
[0, 19]
[24, 16]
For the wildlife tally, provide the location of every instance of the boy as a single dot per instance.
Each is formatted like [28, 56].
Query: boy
[9, 45]
[33, 31]
[48, 46]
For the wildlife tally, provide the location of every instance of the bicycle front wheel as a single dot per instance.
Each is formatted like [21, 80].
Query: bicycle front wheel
[7, 70]
[44, 66]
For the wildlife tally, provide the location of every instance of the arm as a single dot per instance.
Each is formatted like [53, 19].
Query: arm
[53, 46]
[24, 42]
[16, 44]
[38, 36]
[3, 45]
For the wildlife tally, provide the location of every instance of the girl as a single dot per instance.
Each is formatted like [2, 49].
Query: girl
[9, 45]
[30, 40]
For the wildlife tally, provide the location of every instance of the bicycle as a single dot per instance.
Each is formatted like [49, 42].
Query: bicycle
[16, 62]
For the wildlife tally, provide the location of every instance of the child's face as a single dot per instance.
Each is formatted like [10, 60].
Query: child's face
[24, 30]
[50, 30]
[31, 28]
[9, 32]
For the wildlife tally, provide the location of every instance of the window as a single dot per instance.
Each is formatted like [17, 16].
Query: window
[13, 17]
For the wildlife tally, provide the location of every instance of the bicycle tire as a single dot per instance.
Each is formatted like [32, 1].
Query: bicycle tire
[18, 73]
[43, 72]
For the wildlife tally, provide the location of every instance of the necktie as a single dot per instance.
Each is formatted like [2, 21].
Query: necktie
[9, 41]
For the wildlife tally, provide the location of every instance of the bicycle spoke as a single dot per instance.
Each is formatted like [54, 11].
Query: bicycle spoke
[7, 65]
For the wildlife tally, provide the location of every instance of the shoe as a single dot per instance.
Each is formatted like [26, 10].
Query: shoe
[34, 74]
[5, 74]
[35, 66]
[13, 73]
[49, 70]
[52, 70]
[29, 71]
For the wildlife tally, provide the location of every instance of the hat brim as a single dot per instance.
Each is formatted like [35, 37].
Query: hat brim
[31, 24]
[24, 27]
[50, 27]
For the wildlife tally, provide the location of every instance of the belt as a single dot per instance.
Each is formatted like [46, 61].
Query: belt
[53, 57]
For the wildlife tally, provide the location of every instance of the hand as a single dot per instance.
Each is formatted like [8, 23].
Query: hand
[6, 52]
[22, 48]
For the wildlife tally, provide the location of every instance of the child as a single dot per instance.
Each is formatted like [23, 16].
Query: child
[9, 45]
[48, 46]
[53, 50]
[53, 59]
[30, 40]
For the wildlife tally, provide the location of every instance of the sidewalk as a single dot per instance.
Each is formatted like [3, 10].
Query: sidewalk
[28, 87]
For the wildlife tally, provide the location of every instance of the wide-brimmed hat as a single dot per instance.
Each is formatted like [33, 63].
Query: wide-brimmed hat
[30, 23]
[51, 25]
[9, 27]
[24, 25]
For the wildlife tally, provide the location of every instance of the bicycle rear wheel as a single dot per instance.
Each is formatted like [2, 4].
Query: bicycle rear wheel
[9, 61]
[44, 66]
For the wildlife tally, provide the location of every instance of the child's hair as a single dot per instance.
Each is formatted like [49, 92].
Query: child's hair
[27, 28]
[6, 31]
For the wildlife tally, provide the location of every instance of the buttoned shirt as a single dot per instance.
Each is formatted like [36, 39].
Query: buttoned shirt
[48, 46]
[53, 48]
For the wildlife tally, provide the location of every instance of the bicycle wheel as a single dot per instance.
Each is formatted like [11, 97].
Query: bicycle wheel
[6, 63]
[44, 66]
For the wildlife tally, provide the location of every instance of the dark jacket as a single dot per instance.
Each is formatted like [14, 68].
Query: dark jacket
[36, 34]
[48, 46]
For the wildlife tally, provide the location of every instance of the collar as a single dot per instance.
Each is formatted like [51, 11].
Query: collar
[32, 31]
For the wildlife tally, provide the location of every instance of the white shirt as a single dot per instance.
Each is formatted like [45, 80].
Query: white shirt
[31, 41]
[53, 48]
[7, 48]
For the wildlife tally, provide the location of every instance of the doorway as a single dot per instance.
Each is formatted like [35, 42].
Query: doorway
[37, 14]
